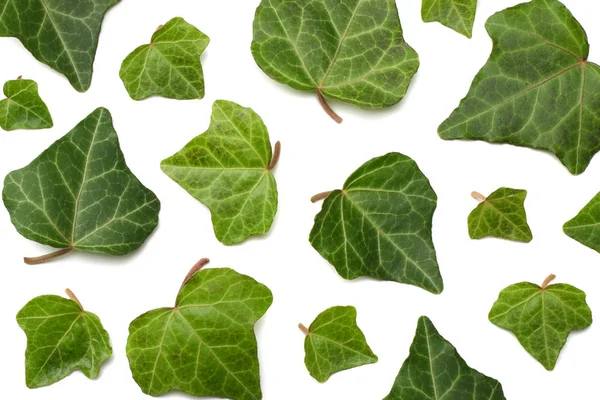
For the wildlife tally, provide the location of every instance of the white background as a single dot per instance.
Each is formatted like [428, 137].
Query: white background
[317, 155]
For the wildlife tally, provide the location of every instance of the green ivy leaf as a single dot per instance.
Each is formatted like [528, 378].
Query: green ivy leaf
[23, 108]
[458, 15]
[169, 66]
[80, 195]
[205, 345]
[352, 51]
[537, 89]
[434, 371]
[541, 317]
[61, 34]
[61, 338]
[334, 343]
[379, 224]
[583, 227]
[500, 215]
[228, 168]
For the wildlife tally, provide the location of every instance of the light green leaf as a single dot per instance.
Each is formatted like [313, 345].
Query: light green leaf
[228, 168]
[541, 317]
[23, 108]
[537, 89]
[352, 51]
[61, 338]
[79, 194]
[458, 15]
[335, 343]
[500, 215]
[169, 66]
[435, 371]
[62, 34]
[205, 345]
[583, 227]
[379, 224]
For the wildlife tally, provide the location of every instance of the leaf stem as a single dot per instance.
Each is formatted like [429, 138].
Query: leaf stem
[46, 257]
[197, 267]
[19, 77]
[478, 196]
[276, 154]
[547, 281]
[304, 329]
[320, 196]
[328, 109]
[72, 296]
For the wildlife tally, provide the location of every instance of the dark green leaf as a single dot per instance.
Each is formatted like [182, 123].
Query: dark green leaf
[458, 15]
[23, 108]
[583, 227]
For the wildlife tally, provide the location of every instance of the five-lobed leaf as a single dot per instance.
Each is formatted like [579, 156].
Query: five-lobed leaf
[61, 338]
[379, 224]
[62, 34]
[79, 194]
[537, 89]
[435, 371]
[352, 51]
[334, 343]
[228, 168]
[584, 226]
[169, 66]
[541, 317]
[458, 15]
[502, 215]
[23, 108]
[205, 345]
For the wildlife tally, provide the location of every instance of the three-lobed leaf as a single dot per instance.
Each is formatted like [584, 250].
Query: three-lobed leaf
[23, 108]
[228, 168]
[169, 66]
[584, 226]
[458, 15]
[537, 89]
[379, 224]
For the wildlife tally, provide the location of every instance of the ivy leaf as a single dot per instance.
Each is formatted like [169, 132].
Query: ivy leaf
[379, 224]
[352, 51]
[537, 89]
[205, 345]
[228, 168]
[541, 317]
[334, 343]
[434, 371]
[80, 195]
[458, 15]
[23, 108]
[169, 66]
[583, 227]
[61, 34]
[61, 338]
[500, 215]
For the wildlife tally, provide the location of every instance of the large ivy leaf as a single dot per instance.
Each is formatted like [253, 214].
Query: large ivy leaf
[541, 317]
[228, 168]
[352, 51]
[169, 66]
[500, 215]
[205, 345]
[435, 371]
[80, 195]
[458, 15]
[537, 89]
[62, 34]
[23, 108]
[334, 343]
[584, 226]
[61, 338]
[379, 224]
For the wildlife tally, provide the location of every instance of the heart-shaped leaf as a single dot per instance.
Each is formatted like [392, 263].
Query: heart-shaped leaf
[23, 108]
[584, 226]
[205, 345]
[79, 194]
[352, 51]
[458, 15]
[379, 224]
[169, 66]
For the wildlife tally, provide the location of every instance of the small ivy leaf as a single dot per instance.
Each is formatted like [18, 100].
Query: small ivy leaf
[205, 345]
[228, 168]
[79, 194]
[501, 215]
[434, 371]
[23, 108]
[352, 51]
[169, 66]
[458, 15]
[379, 224]
[537, 89]
[541, 317]
[583, 227]
[62, 35]
[334, 343]
[61, 338]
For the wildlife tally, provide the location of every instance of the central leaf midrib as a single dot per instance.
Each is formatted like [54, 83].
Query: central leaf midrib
[503, 216]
